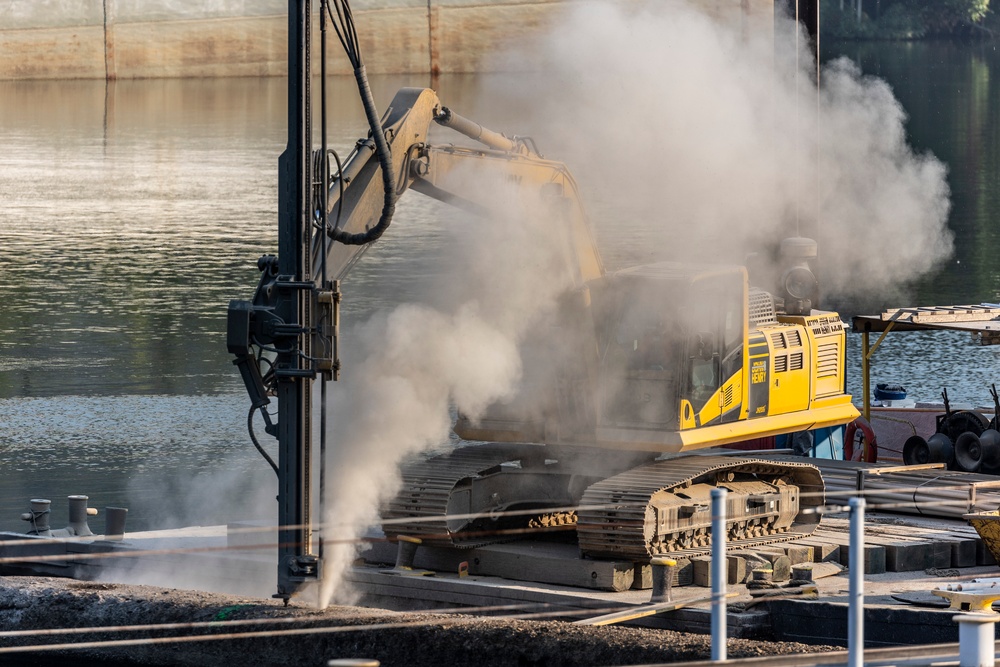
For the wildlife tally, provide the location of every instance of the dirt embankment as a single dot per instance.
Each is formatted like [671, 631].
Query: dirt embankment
[301, 636]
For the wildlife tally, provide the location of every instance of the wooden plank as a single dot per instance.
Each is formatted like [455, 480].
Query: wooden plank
[882, 470]
[941, 314]
[736, 570]
[823, 551]
[983, 555]
[796, 553]
[912, 556]
[540, 562]
[810, 552]
[874, 558]
[683, 572]
[775, 558]
[955, 316]
[874, 554]
[702, 569]
[963, 548]
[821, 570]
[643, 611]
[642, 577]
[512, 561]
[906, 540]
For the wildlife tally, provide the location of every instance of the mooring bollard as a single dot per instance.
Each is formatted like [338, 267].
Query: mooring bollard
[78, 513]
[407, 552]
[856, 585]
[39, 517]
[663, 579]
[718, 574]
[114, 523]
[976, 639]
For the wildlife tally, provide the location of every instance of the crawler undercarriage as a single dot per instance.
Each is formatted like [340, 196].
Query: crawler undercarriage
[622, 505]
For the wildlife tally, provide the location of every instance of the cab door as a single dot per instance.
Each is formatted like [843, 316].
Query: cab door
[717, 322]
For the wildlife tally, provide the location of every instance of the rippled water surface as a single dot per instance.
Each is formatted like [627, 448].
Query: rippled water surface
[132, 214]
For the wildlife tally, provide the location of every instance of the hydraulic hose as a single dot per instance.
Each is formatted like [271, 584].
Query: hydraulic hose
[384, 155]
[256, 443]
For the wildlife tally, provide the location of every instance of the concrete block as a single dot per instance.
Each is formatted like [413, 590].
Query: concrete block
[874, 558]
[702, 571]
[736, 570]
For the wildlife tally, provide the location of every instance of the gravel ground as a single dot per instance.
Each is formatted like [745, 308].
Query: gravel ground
[33, 603]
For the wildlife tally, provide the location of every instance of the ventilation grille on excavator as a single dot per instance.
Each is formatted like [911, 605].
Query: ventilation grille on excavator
[761, 308]
[788, 362]
[828, 360]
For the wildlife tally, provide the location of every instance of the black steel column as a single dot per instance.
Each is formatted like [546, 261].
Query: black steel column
[296, 565]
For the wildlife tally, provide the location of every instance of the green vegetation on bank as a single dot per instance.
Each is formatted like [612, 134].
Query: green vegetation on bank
[907, 19]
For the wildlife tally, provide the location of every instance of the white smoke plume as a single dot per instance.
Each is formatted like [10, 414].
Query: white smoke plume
[698, 135]
[693, 137]
[419, 361]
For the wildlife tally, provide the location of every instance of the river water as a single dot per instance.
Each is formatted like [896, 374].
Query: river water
[132, 214]
[950, 93]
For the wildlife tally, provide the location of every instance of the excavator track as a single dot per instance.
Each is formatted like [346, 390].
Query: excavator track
[421, 507]
[656, 508]
[633, 515]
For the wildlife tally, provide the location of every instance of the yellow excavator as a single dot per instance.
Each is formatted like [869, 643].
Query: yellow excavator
[652, 360]
[643, 366]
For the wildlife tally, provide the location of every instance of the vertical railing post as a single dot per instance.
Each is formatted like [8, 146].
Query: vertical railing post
[856, 587]
[718, 574]
[976, 639]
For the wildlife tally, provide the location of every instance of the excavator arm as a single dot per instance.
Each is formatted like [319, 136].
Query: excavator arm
[456, 175]
[439, 167]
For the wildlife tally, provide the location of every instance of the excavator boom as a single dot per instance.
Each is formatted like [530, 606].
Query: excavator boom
[438, 172]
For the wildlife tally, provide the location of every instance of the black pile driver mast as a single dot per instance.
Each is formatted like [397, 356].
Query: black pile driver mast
[294, 291]
[295, 287]
[286, 337]
[277, 330]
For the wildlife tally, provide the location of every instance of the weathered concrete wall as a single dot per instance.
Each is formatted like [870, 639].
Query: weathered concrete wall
[94, 39]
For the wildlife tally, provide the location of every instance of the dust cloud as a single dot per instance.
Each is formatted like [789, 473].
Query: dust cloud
[419, 361]
[194, 504]
[693, 137]
[704, 137]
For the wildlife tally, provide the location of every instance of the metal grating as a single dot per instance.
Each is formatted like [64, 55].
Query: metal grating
[761, 308]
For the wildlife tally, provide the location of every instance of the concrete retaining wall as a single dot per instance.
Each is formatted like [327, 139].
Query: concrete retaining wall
[96, 39]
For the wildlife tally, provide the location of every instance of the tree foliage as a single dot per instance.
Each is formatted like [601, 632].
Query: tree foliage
[902, 19]
[945, 16]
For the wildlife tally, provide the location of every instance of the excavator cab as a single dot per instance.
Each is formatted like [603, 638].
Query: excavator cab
[671, 360]
[673, 335]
